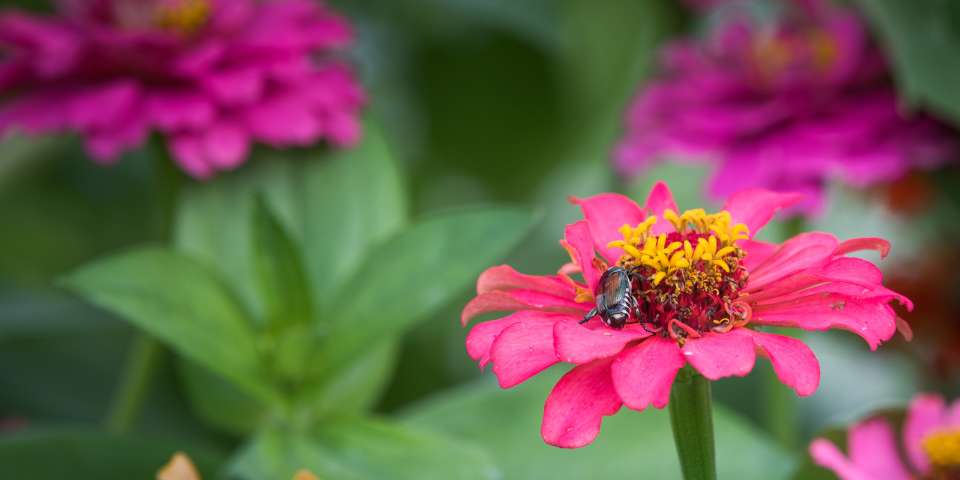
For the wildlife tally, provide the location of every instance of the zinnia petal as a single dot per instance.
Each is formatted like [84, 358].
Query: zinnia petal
[643, 374]
[504, 277]
[873, 447]
[523, 350]
[660, 199]
[578, 344]
[718, 355]
[481, 336]
[827, 455]
[925, 414]
[755, 207]
[497, 301]
[793, 362]
[865, 243]
[576, 406]
[606, 213]
[577, 237]
[873, 321]
[803, 251]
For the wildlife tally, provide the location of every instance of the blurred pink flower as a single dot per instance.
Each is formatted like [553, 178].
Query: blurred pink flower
[785, 104]
[212, 76]
[931, 441]
[702, 285]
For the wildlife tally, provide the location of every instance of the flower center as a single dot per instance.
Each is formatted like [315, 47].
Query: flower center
[943, 450]
[686, 282]
[179, 16]
[812, 52]
[185, 16]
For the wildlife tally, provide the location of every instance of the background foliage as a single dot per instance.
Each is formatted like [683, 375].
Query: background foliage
[485, 116]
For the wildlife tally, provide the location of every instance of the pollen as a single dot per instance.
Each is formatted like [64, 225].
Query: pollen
[943, 449]
[688, 279]
[184, 16]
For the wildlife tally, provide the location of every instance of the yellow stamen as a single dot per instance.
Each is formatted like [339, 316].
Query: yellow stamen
[943, 448]
[185, 16]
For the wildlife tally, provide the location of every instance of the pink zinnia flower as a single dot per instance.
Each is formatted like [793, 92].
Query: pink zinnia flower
[931, 441]
[212, 76]
[787, 104]
[702, 286]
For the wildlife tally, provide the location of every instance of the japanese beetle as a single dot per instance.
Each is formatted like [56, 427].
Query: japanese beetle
[615, 300]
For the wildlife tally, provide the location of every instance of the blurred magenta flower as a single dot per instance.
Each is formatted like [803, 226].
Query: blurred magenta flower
[785, 104]
[931, 441]
[702, 285]
[212, 76]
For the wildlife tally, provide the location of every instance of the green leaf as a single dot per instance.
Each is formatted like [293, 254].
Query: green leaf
[173, 297]
[218, 401]
[380, 449]
[344, 205]
[334, 204]
[276, 454]
[361, 449]
[922, 38]
[630, 445]
[413, 273]
[279, 267]
[88, 455]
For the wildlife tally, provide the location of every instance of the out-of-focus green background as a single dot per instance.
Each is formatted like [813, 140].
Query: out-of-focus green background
[481, 102]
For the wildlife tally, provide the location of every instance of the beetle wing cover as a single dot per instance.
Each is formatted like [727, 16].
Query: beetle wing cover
[615, 286]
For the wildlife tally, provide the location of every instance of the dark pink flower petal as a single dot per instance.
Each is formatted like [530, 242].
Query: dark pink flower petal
[341, 128]
[643, 374]
[226, 145]
[578, 344]
[235, 86]
[757, 252]
[793, 362]
[579, 241]
[282, 122]
[801, 252]
[175, 110]
[873, 321]
[576, 406]
[827, 455]
[926, 413]
[660, 199]
[189, 153]
[606, 213]
[873, 448]
[519, 300]
[523, 350]
[504, 277]
[755, 207]
[102, 106]
[866, 243]
[718, 355]
[481, 336]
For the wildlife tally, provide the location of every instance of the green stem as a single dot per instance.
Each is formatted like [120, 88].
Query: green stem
[145, 352]
[141, 364]
[691, 417]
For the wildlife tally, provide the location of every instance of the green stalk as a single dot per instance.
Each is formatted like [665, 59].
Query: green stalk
[146, 353]
[691, 417]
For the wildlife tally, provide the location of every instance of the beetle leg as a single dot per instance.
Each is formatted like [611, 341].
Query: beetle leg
[592, 313]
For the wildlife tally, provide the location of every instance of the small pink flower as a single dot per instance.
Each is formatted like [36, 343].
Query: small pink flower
[788, 104]
[931, 441]
[702, 286]
[212, 76]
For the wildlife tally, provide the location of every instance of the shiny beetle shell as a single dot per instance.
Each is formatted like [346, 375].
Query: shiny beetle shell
[615, 301]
